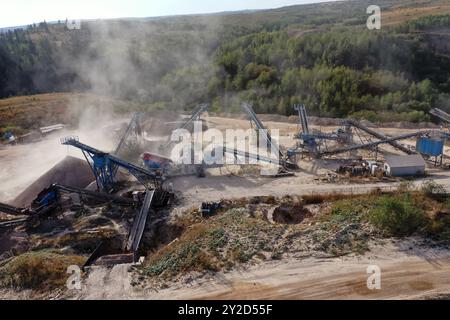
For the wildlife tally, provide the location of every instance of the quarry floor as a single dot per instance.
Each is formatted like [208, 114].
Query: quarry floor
[408, 270]
[23, 164]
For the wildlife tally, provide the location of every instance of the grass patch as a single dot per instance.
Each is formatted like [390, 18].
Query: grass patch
[344, 224]
[37, 270]
[195, 251]
[348, 211]
[217, 243]
[397, 215]
[344, 228]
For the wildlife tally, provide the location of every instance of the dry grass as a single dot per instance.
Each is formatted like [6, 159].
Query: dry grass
[401, 13]
[217, 243]
[31, 112]
[23, 114]
[79, 242]
[39, 270]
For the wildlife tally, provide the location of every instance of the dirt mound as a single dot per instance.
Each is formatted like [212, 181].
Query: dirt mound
[71, 171]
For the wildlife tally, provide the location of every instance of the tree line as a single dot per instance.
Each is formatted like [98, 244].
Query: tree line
[394, 74]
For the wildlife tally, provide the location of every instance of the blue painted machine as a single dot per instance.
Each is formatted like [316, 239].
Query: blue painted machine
[105, 166]
[430, 147]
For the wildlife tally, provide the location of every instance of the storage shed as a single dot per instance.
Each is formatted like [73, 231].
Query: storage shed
[410, 165]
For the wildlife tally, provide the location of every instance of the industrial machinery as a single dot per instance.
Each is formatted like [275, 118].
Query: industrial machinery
[12, 223]
[441, 114]
[314, 143]
[49, 199]
[131, 135]
[379, 135]
[156, 162]
[355, 168]
[283, 161]
[195, 116]
[105, 166]
[371, 145]
[153, 200]
[6, 208]
[264, 133]
[209, 209]
[262, 130]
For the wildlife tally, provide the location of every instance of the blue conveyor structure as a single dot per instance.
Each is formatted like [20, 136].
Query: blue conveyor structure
[105, 166]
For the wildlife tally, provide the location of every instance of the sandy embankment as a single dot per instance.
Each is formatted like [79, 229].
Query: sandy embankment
[408, 271]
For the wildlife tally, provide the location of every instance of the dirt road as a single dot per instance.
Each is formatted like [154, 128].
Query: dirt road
[401, 278]
[407, 272]
[215, 188]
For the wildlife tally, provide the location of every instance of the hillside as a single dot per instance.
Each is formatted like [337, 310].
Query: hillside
[322, 55]
[23, 114]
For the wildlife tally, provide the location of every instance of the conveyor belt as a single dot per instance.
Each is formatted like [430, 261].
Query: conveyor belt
[372, 144]
[139, 223]
[380, 136]
[5, 208]
[441, 114]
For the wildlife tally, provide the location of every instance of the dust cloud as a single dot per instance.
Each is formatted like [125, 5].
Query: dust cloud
[108, 60]
[24, 163]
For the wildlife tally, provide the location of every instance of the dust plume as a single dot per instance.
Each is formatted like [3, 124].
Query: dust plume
[123, 66]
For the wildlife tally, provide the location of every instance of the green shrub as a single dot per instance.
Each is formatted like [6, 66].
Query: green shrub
[397, 216]
[186, 257]
[347, 211]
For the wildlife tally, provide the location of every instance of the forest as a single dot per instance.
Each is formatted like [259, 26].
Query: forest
[324, 58]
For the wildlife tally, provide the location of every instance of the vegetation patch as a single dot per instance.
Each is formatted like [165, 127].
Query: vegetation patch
[343, 229]
[37, 270]
[217, 243]
[397, 215]
[342, 224]
[79, 242]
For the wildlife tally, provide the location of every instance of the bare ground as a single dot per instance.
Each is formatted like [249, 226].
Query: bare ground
[409, 271]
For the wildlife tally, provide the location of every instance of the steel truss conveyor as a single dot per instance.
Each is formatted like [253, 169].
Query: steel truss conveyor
[105, 166]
